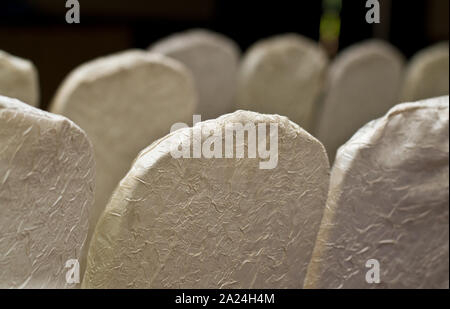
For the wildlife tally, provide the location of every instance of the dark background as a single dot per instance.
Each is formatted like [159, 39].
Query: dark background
[37, 30]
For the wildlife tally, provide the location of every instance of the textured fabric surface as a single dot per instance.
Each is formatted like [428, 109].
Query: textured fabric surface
[213, 223]
[124, 102]
[388, 200]
[47, 173]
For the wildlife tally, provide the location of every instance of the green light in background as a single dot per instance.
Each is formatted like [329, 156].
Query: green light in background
[330, 25]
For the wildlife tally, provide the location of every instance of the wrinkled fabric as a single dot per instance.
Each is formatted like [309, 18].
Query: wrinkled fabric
[124, 102]
[47, 179]
[213, 223]
[388, 200]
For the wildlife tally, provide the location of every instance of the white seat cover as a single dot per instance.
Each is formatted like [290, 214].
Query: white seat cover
[283, 75]
[47, 179]
[18, 79]
[213, 223]
[213, 60]
[388, 201]
[363, 84]
[427, 75]
[124, 102]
